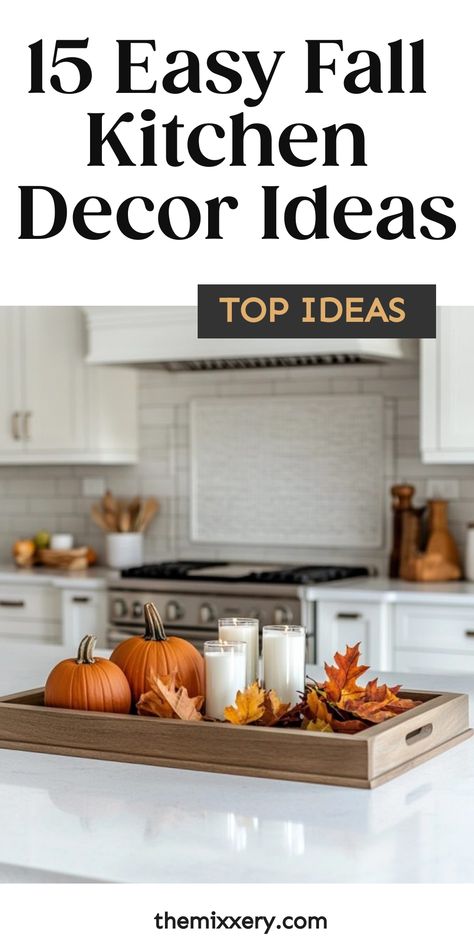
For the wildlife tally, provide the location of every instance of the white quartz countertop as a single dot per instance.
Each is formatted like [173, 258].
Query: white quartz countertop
[382, 589]
[70, 819]
[367, 589]
[95, 577]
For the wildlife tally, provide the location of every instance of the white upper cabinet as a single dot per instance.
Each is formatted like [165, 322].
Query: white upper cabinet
[10, 383]
[447, 388]
[53, 380]
[53, 407]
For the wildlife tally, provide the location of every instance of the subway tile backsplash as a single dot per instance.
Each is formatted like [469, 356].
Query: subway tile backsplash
[34, 498]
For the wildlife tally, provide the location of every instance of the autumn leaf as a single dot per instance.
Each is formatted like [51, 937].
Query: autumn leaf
[342, 678]
[293, 717]
[318, 709]
[153, 704]
[347, 706]
[374, 711]
[250, 706]
[169, 699]
[404, 704]
[349, 726]
[378, 703]
[376, 692]
[274, 709]
[317, 725]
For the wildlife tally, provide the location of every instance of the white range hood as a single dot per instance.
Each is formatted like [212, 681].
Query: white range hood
[166, 337]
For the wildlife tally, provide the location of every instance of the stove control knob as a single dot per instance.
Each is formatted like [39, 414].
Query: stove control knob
[119, 608]
[282, 615]
[206, 613]
[137, 610]
[173, 611]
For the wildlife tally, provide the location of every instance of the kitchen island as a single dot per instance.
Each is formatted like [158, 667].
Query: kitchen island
[65, 819]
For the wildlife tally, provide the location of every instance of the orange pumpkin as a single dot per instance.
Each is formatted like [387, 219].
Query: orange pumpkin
[86, 683]
[153, 655]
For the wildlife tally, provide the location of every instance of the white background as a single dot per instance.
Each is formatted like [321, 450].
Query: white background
[417, 145]
[122, 916]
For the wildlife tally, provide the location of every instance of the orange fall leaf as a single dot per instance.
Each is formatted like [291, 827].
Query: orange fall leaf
[169, 699]
[342, 677]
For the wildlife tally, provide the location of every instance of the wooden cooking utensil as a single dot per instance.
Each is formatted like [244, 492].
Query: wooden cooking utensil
[99, 517]
[111, 508]
[134, 509]
[125, 521]
[149, 509]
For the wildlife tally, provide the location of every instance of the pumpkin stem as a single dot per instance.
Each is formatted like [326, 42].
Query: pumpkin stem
[154, 628]
[85, 652]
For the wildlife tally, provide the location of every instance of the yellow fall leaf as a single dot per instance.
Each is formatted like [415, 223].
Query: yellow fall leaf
[318, 725]
[319, 710]
[250, 706]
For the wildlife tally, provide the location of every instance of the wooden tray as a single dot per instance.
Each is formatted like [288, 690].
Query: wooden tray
[361, 760]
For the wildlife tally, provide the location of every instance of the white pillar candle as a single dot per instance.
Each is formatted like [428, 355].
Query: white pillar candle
[243, 630]
[225, 664]
[284, 654]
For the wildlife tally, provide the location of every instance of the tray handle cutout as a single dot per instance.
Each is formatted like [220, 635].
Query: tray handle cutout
[421, 732]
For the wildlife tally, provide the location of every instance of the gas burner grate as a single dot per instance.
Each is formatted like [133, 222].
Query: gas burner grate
[286, 575]
[174, 569]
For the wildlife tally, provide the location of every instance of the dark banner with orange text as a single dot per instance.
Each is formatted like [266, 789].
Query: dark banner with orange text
[306, 311]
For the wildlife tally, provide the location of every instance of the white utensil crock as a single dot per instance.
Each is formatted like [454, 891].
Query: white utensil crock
[124, 550]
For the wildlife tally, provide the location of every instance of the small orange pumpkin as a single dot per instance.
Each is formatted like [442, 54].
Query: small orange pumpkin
[86, 683]
[153, 655]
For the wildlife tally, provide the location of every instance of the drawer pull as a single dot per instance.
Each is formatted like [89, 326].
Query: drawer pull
[349, 615]
[469, 633]
[27, 425]
[421, 732]
[81, 599]
[12, 604]
[16, 426]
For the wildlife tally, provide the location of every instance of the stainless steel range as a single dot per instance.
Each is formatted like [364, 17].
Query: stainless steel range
[192, 596]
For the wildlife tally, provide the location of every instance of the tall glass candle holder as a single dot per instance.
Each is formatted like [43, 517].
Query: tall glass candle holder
[243, 630]
[284, 655]
[225, 666]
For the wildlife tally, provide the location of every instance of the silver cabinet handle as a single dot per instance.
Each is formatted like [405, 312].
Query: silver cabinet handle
[12, 604]
[16, 435]
[469, 633]
[27, 416]
[349, 615]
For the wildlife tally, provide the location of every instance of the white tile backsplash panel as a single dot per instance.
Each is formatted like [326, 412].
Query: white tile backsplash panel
[274, 470]
[164, 467]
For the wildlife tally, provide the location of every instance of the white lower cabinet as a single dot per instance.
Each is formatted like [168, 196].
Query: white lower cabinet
[432, 637]
[401, 637]
[341, 623]
[31, 613]
[45, 613]
[84, 612]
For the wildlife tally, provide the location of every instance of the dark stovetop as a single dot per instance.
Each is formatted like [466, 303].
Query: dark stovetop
[242, 572]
